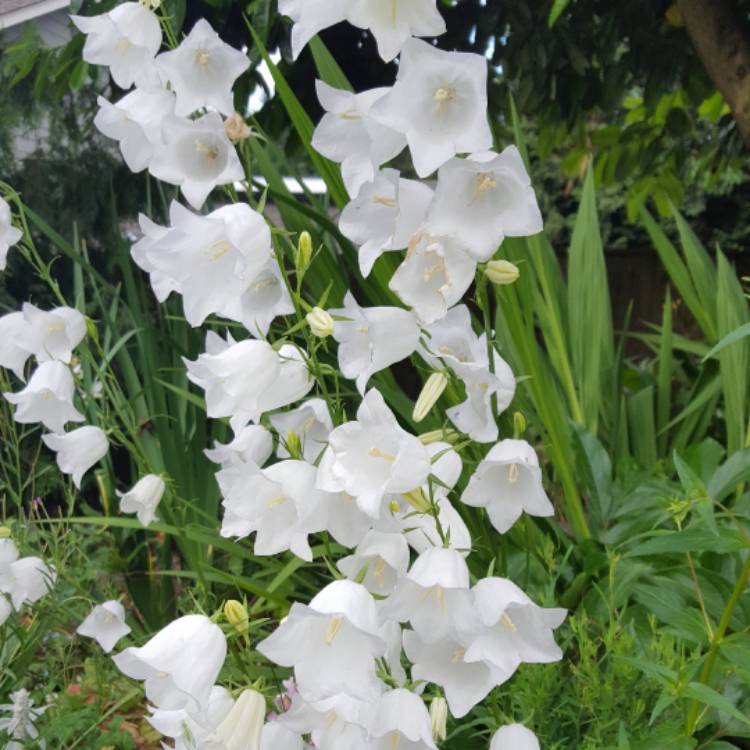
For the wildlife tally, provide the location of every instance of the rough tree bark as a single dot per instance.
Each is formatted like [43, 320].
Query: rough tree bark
[720, 36]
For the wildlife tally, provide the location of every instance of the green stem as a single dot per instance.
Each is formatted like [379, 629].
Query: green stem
[718, 637]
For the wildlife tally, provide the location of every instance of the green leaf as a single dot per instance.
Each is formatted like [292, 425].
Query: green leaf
[662, 542]
[739, 333]
[709, 697]
[558, 7]
[328, 69]
[734, 471]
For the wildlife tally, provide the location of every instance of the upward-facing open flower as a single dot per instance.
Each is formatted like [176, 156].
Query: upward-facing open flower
[401, 720]
[372, 338]
[202, 70]
[47, 398]
[508, 482]
[393, 23]
[482, 199]
[244, 379]
[252, 444]
[105, 624]
[439, 103]
[373, 456]
[332, 643]
[434, 596]
[307, 426]
[9, 235]
[197, 156]
[55, 334]
[179, 664]
[383, 557]
[144, 498]
[514, 737]
[384, 215]
[348, 135]
[126, 39]
[78, 450]
[435, 274]
[136, 122]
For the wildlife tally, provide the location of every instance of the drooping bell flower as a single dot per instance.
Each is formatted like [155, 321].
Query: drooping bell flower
[78, 450]
[144, 498]
[252, 444]
[105, 624]
[9, 235]
[401, 720]
[384, 558]
[307, 427]
[54, 334]
[514, 737]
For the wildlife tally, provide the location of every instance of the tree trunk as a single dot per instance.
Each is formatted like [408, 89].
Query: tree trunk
[720, 36]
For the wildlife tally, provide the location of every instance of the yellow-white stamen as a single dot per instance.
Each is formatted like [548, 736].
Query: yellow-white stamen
[377, 453]
[506, 622]
[204, 149]
[513, 473]
[384, 200]
[276, 501]
[217, 249]
[333, 628]
[202, 57]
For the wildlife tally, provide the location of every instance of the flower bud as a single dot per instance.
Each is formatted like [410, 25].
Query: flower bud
[439, 718]
[236, 614]
[236, 128]
[394, 507]
[304, 252]
[519, 424]
[320, 322]
[501, 272]
[431, 392]
[243, 725]
[417, 500]
[293, 444]
[439, 436]
[5, 532]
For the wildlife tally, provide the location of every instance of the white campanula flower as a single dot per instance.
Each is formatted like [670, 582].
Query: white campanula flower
[508, 482]
[144, 498]
[5, 609]
[275, 736]
[510, 629]
[252, 444]
[19, 723]
[332, 643]
[434, 276]
[372, 338]
[373, 456]
[383, 557]
[55, 334]
[47, 398]
[453, 343]
[26, 580]
[14, 335]
[280, 503]
[9, 235]
[126, 40]
[484, 199]
[384, 216]
[242, 380]
[197, 156]
[141, 252]
[178, 665]
[309, 425]
[78, 450]
[443, 662]
[310, 17]
[105, 624]
[343, 519]
[222, 263]
[136, 122]
[348, 135]
[434, 596]
[242, 727]
[401, 720]
[439, 103]
[514, 737]
[202, 71]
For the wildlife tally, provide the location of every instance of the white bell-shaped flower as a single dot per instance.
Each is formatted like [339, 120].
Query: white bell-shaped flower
[373, 456]
[442, 662]
[514, 737]
[197, 156]
[275, 736]
[401, 721]
[384, 216]
[511, 629]
[332, 643]
[105, 624]
[179, 665]
[142, 253]
[311, 17]
[434, 596]
[144, 498]
[55, 334]
[434, 276]
[372, 338]
[15, 333]
[439, 103]
[26, 580]
[5, 609]
[136, 123]
[309, 424]
[202, 71]
[242, 380]
[47, 398]
[348, 135]
[252, 444]
[393, 23]
[241, 728]
[78, 450]
[484, 199]
[453, 343]
[279, 503]
[126, 40]
[383, 557]
[9, 235]
[343, 519]
[508, 482]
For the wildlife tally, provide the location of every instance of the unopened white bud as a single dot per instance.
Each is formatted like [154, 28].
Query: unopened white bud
[236, 128]
[501, 272]
[439, 718]
[439, 436]
[431, 392]
[320, 322]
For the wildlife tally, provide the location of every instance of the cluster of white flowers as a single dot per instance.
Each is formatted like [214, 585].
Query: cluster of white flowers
[23, 580]
[405, 594]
